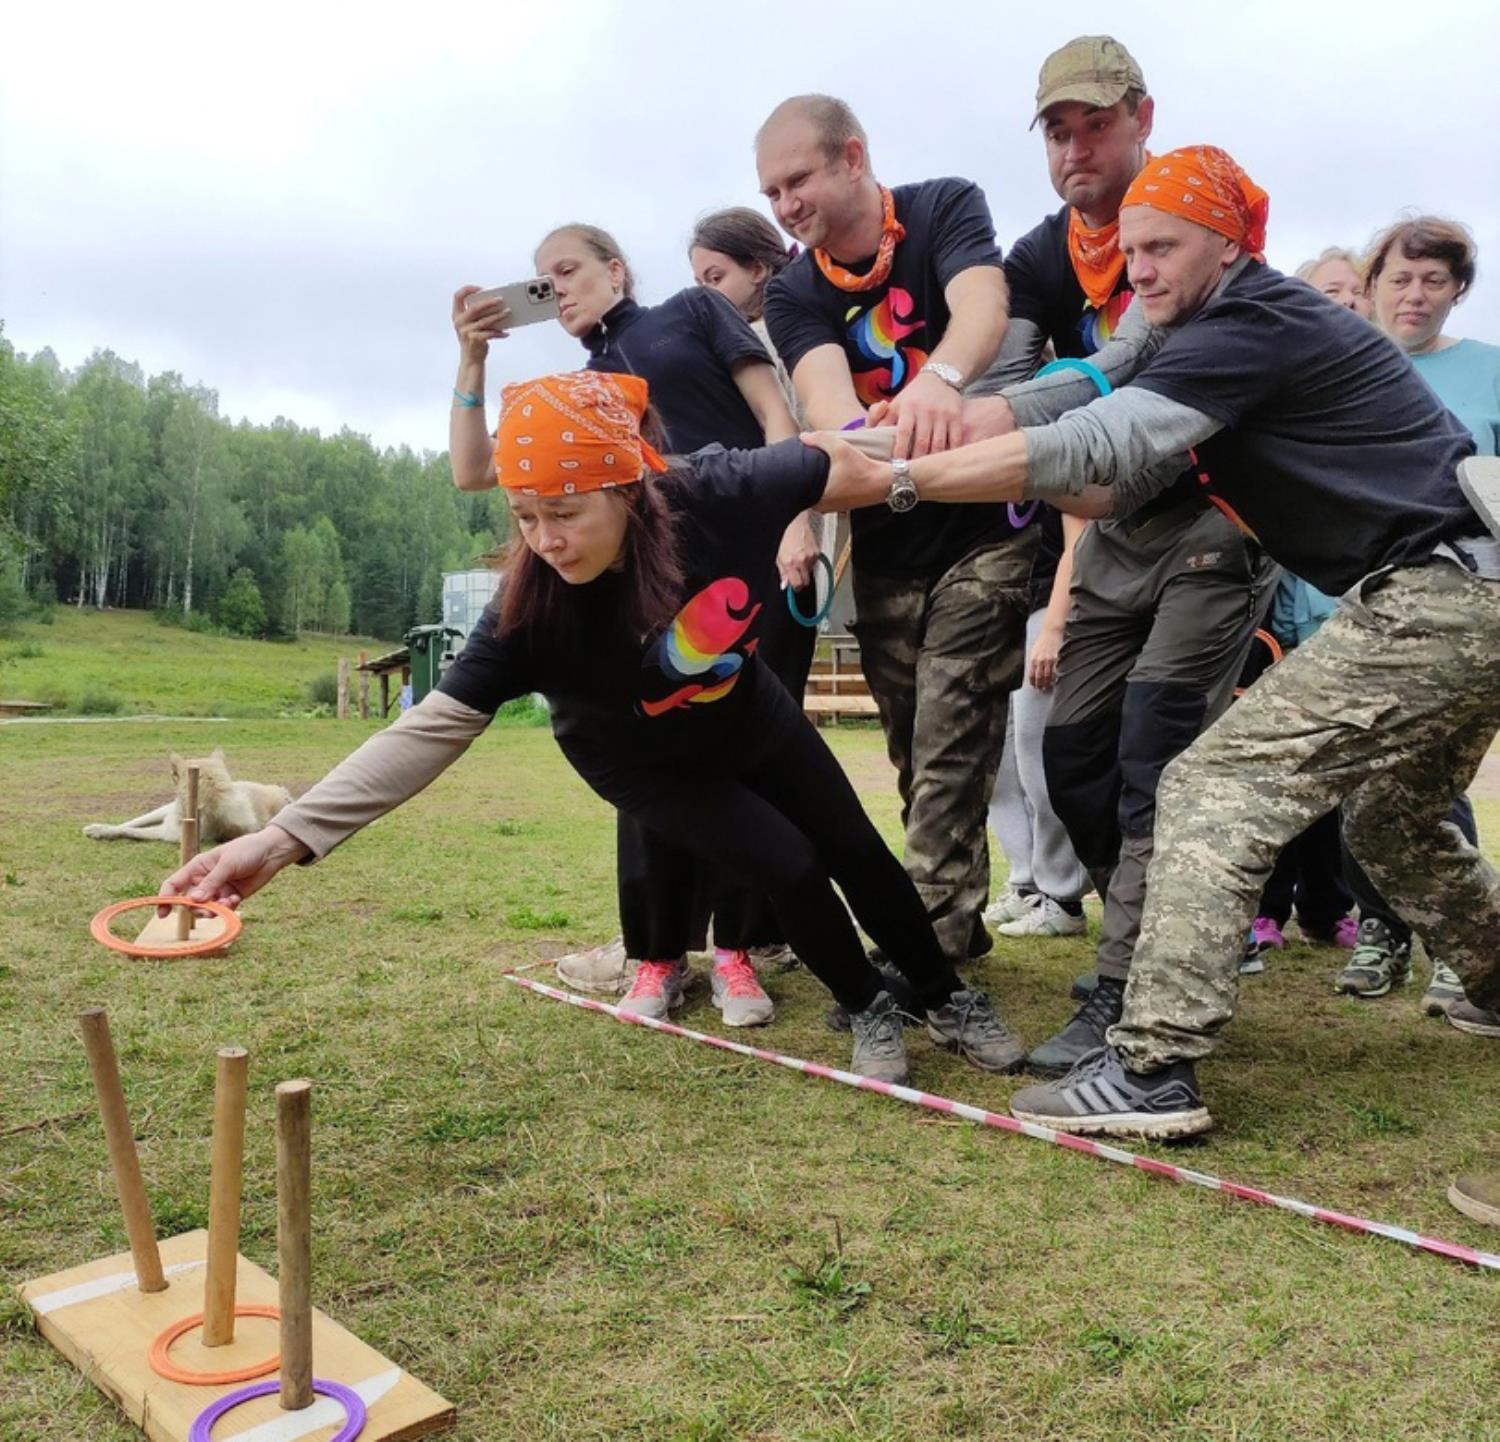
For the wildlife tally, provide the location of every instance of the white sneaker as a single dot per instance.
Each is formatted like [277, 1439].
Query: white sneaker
[738, 995]
[658, 988]
[603, 970]
[1010, 905]
[1045, 919]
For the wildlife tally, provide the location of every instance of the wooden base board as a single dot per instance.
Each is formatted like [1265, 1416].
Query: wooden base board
[162, 931]
[98, 1318]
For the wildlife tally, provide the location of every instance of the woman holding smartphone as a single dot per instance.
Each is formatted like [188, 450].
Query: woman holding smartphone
[633, 599]
[711, 382]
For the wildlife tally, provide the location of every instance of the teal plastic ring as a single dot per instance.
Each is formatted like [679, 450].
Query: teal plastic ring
[1074, 363]
[823, 610]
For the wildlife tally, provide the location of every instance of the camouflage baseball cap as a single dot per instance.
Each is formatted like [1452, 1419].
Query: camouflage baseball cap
[1093, 69]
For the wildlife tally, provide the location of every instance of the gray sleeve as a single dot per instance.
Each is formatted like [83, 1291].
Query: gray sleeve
[1036, 402]
[391, 767]
[1019, 353]
[1133, 440]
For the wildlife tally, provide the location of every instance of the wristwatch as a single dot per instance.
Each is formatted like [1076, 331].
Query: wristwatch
[902, 495]
[951, 375]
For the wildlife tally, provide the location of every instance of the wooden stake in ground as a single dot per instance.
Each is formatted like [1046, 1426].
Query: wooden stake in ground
[364, 688]
[294, 1239]
[343, 708]
[187, 848]
[122, 1153]
[224, 1196]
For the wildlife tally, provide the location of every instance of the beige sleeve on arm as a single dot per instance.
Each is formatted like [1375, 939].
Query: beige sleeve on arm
[391, 767]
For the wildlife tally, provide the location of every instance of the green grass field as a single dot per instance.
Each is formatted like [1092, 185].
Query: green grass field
[578, 1230]
[124, 661]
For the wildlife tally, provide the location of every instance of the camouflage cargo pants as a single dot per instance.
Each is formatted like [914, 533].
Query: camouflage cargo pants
[1388, 709]
[941, 658]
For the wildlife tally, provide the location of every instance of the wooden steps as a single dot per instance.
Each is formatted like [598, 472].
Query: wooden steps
[836, 686]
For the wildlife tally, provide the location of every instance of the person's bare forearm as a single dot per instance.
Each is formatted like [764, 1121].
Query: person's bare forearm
[992, 470]
[470, 449]
[977, 302]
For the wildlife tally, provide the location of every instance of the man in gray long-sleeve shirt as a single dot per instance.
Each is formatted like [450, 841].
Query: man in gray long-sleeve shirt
[1321, 439]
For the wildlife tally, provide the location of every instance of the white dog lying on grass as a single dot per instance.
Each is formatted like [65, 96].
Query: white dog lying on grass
[226, 808]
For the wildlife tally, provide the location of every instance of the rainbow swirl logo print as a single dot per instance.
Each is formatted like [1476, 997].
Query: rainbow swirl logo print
[875, 335]
[696, 652]
[1097, 327]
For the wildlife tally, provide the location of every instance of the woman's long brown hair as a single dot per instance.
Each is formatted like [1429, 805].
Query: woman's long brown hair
[539, 607]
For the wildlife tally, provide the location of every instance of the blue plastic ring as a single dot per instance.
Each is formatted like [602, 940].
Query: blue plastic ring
[823, 610]
[1074, 363]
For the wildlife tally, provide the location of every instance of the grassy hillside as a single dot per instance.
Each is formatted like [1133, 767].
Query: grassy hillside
[125, 662]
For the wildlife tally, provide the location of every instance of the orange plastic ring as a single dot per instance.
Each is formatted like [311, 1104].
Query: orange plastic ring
[165, 1367]
[99, 928]
[1272, 645]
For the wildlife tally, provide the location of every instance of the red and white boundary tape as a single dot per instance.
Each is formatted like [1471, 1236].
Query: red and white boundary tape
[910, 1095]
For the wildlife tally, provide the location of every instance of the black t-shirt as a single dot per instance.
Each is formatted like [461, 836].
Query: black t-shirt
[697, 694]
[1335, 453]
[887, 333]
[1044, 290]
[685, 349]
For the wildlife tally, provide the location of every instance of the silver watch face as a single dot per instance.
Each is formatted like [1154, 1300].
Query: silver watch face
[903, 493]
[945, 372]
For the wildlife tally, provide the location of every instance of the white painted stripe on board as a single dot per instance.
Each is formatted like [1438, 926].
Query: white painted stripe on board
[324, 1412]
[99, 1287]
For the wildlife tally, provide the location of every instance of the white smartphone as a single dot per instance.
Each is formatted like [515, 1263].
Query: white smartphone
[528, 301]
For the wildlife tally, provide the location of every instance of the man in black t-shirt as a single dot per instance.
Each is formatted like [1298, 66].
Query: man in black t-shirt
[1164, 603]
[1321, 438]
[899, 297]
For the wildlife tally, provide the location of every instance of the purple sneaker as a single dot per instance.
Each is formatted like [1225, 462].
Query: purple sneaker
[1345, 932]
[1264, 933]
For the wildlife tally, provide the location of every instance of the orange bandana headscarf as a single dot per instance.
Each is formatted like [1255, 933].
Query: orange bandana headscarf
[1203, 184]
[892, 233]
[564, 435]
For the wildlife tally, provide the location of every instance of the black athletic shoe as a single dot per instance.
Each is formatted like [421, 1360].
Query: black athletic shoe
[1103, 1097]
[837, 1019]
[1083, 986]
[1083, 1034]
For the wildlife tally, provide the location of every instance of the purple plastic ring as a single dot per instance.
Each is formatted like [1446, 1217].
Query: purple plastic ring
[353, 1405]
[1017, 519]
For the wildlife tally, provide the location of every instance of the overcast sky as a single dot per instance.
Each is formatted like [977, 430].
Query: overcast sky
[278, 201]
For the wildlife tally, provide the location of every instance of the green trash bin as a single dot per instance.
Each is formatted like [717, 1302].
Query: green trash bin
[431, 651]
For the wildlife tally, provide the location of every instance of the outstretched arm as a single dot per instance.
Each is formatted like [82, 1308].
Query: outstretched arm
[1107, 458]
[390, 768]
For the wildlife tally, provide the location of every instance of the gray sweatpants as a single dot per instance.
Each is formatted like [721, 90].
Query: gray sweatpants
[1036, 846]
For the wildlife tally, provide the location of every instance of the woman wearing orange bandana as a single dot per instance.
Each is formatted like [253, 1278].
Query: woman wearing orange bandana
[634, 600]
[712, 383]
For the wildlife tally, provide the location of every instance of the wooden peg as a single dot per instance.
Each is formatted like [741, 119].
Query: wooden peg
[225, 1179]
[294, 1240]
[122, 1154]
[187, 848]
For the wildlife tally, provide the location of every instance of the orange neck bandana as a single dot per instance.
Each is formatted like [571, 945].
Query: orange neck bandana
[1203, 184]
[568, 434]
[1098, 261]
[892, 233]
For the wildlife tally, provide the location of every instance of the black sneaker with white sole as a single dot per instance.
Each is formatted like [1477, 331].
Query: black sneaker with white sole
[1101, 1096]
[837, 1019]
[1084, 1032]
